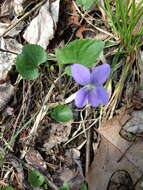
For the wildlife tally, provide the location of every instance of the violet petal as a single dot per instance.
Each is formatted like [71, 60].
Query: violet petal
[80, 74]
[98, 96]
[100, 74]
[81, 98]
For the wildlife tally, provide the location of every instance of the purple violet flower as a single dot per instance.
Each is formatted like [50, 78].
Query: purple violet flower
[93, 91]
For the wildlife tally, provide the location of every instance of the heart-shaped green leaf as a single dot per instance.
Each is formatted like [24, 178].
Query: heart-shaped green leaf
[7, 188]
[65, 186]
[27, 63]
[85, 3]
[83, 51]
[62, 113]
[35, 178]
[83, 187]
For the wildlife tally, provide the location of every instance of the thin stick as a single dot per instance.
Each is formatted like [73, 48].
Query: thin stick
[7, 51]
[83, 123]
[88, 144]
[43, 110]
[17, 119]
[23, 17]
[82, 132]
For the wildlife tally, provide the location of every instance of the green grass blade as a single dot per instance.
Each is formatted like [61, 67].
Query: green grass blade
[118, 16]
[138, 6]
[113, 66]
[110, 15]
[20, 130]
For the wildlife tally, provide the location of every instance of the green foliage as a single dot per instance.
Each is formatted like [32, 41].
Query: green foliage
[62, 113]
[83, 187]
[83, 51]
[85, 3]
[59, 58]
[141, 87]
[131, 136]
[52, 68]
[27, 63]
[68, 70]
[65, 187]
[124, 19]
[7, 188]
[35, 178]
[45, 186]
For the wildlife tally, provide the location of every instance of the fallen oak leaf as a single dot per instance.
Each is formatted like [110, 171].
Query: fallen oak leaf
[115, 153]
[105, 164]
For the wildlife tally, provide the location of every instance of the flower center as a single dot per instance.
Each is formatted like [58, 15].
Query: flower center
[90, 87]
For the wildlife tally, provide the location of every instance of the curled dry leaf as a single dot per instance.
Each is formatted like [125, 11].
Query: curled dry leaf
[42, 28]
[8, 59]
[71, 172]
[11, 8]
[6, 93]
[9, 12]
[135, 124]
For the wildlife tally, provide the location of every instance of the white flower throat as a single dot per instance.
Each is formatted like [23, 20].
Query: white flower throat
[90, 87]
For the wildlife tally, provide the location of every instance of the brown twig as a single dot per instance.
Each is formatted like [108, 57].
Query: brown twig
[7, 51]
[88, 144]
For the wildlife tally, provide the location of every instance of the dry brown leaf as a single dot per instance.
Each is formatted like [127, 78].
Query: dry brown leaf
[11, 8]
[8, 59]
[54, 133]
[71, 172]
[115, 153]
[34, 158]
[42, 28]
[105, 163]
[6, 93]
[79, 32]
[135, 124]
[74, 18]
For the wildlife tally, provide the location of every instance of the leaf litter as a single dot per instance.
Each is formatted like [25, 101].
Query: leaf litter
[42, 28]
[57, 150]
